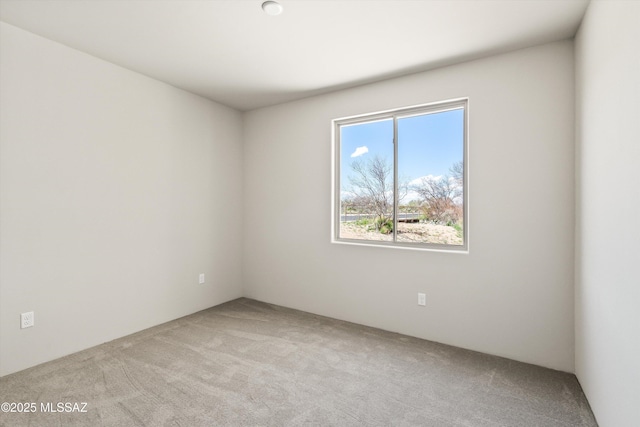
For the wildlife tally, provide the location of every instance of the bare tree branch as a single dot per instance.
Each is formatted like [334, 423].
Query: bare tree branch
[440, 196]
[372, 186]
[457, 172]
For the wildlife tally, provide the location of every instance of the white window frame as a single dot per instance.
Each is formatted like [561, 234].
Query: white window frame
[395, 114]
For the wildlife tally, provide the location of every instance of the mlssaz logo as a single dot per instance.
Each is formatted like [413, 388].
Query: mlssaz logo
[63, 407]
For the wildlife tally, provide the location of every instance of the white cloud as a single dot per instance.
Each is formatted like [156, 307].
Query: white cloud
[360, 151]
[410, 197]
[413, 195]
[344, 194]
[418, 181]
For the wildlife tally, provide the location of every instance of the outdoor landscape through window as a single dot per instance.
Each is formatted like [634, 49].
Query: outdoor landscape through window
[401, 177]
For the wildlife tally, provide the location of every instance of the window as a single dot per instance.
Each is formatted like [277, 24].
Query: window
[400, 178]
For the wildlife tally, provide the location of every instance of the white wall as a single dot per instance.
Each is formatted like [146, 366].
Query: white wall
[512, 295]
[116, 192]
[608, 207]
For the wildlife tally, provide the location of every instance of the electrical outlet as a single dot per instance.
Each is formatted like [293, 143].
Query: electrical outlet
[27, 320]
[201, 279]
[422, 299]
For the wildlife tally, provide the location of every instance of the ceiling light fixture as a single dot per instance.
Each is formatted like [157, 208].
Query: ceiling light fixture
[272, 8]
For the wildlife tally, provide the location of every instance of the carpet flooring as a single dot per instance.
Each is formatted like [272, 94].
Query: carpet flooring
[247, 363]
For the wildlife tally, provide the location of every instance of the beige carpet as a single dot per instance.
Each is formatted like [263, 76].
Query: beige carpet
[246, 363]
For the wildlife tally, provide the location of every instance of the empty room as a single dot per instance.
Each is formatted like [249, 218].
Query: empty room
[319, 212]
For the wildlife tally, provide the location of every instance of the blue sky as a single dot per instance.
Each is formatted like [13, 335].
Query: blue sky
[428, 144]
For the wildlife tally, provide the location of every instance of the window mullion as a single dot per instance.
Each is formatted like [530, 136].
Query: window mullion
[395, 179]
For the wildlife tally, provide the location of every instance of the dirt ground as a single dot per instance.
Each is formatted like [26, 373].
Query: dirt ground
[407, 232]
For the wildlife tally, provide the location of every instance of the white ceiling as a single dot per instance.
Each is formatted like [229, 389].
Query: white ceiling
[232, 52]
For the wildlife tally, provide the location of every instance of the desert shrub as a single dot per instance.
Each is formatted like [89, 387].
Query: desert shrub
[384, 225]
[363, 221]
[458, 228]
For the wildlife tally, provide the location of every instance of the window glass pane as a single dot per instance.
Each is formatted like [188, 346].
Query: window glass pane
[430, 178]
[366, 181]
